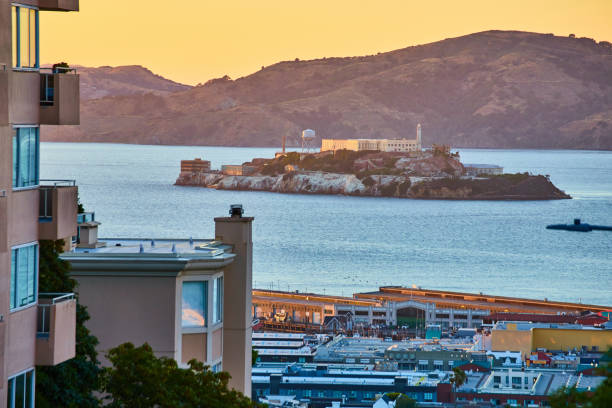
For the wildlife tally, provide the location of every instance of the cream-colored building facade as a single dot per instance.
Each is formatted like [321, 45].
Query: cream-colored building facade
[188, 299]
[381, 145]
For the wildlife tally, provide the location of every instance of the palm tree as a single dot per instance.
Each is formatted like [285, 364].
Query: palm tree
[458, 378]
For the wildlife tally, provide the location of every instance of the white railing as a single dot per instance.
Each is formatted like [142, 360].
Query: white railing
[44, 310]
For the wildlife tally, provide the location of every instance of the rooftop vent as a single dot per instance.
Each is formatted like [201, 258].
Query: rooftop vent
[236, 210]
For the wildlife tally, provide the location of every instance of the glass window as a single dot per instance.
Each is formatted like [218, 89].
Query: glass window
[24, 275]
[218, 300]
[25, 157]
[194, 304]
[21, 391]
[428, 396]
[25, 37]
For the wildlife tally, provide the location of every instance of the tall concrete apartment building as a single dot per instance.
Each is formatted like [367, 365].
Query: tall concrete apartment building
[35, 328]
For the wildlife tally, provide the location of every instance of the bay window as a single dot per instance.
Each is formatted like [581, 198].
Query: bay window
[21, 390]
[25, 37]
[26, 155]
[194, 304]
[24, 275]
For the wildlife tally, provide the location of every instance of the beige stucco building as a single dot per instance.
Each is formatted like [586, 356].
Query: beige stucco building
[186, 298]
[35, 328]
[527, 337]
[381, 145]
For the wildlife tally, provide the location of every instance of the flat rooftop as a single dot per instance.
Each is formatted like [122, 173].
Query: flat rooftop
[523, 326]
[476, 301]
[192, 248]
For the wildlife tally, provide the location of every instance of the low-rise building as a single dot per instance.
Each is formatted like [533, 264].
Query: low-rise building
[520, 387]
[189, 299]
[475, 169]
[321, 385]
[380, 145]
[527, 337]
[430, 360]
[196, 165]
[238, 170]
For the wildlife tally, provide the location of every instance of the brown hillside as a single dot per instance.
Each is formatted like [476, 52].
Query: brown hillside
[492, 89]
[103, 82]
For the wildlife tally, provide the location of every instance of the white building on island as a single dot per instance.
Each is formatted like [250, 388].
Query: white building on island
[381, 145]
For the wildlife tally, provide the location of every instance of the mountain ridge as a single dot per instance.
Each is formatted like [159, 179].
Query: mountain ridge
[494, 89]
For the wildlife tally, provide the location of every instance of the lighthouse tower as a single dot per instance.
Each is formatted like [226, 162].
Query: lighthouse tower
[418, 138]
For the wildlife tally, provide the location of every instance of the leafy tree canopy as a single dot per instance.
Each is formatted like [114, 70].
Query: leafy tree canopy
[138, 379]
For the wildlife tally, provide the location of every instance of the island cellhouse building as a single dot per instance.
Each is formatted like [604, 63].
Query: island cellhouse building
[35, 328]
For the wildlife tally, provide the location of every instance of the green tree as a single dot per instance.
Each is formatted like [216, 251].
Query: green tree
[254, 357]
[459, 377]
[404, 401]
[138, 379]
[71, 383]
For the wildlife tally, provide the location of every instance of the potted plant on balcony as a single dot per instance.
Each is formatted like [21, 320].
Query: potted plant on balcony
[61, 68]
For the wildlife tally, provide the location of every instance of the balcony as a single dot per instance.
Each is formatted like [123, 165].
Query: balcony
[59, 96]
[58, 5]
[3, 95]
[24, 103]
[57, 215]
[56, 328]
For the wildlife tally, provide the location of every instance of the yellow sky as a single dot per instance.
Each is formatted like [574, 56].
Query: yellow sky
[201, 39]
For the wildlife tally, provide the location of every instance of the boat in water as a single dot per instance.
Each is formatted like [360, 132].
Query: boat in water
[579, 226]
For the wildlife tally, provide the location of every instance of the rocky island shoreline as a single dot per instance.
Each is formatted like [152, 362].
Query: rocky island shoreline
[432, 175]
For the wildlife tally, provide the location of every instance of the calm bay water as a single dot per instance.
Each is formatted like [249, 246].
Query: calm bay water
[342, 245]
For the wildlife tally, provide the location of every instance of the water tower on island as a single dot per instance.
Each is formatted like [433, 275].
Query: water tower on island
[418, 138]
[308, 138]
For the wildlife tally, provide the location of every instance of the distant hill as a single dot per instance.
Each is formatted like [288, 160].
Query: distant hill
[495, 89]
[103, 82]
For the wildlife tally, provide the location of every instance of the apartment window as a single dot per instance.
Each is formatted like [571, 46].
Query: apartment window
[218, 300]
[428, 396]
[21, 390]
[194, 304]
[25, 37]
[24, 275]
[26, 154]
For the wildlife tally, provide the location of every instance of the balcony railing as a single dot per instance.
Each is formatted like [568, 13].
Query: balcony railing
[56, 328]
[86, 217]
[59, 96]
[57, 213]
[57, 183]
[45, 210]
[45, 302]
[47, 83]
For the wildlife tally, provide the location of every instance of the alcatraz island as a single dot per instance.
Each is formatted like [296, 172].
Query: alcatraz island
[372, 167]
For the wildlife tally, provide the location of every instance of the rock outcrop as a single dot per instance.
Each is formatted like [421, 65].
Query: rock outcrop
[508, 187]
